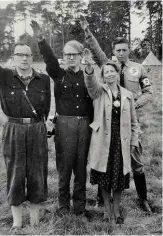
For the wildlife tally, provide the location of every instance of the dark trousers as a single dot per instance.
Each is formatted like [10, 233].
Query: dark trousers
[26, 157]
[72, 144]
[138, 174]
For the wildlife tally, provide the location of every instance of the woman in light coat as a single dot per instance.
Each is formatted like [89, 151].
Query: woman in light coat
[114, 136]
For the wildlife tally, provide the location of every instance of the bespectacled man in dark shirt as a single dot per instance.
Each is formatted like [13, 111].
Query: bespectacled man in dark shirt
[24, 134]
[75, 110]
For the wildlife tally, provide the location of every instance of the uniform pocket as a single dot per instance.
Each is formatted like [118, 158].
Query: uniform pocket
[40, 95]
[11, 92]
[132, 83]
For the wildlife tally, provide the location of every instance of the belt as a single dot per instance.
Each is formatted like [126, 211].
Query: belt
[77, 117]
[25, 121]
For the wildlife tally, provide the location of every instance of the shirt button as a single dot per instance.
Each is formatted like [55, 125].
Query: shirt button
[65, 86]
[77, 106]
[77, 95]
[77, 84]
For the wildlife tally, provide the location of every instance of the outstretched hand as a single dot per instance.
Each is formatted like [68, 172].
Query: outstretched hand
[83, 22]
[88, 61]
[37, 30]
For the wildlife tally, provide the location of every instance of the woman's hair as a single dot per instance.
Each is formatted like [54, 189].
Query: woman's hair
[111, 63]
[75, 44]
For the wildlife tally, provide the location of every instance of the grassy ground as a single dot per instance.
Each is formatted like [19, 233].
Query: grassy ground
[136, 221]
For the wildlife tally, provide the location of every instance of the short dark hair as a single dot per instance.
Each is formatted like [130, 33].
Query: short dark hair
[119, 40]
[111, 63]
[20, 43]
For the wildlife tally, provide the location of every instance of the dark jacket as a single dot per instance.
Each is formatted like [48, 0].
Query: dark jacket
[13, 101]
[71, 95]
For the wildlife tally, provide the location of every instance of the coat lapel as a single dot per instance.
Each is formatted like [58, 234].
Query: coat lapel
[124, 94]
[107, 89]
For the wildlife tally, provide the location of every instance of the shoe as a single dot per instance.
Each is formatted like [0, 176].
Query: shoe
[119, 220]
[144, 205]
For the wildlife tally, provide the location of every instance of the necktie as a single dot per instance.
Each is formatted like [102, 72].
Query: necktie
[122, 76]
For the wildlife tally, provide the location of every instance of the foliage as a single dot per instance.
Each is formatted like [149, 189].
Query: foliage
[107, 20]
[60, 23]
[153, 33]
[33, 44]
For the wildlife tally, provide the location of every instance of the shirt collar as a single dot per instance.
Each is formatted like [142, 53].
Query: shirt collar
[126, 63]
[33, 74]
[70, 70]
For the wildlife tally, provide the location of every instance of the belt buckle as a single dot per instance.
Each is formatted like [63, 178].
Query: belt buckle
[78, 117]
[26, 120]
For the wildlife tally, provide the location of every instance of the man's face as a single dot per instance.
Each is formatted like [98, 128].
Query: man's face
[23, 57]
[72, 56]
[121, 51]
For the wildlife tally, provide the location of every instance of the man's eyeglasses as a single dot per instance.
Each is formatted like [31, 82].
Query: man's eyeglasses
[22, 55]
[74, 55]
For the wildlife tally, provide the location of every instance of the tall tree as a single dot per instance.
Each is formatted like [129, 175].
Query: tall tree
[107, 20]
[153, 33]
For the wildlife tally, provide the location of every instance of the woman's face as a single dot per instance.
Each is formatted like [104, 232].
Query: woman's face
[110, 74]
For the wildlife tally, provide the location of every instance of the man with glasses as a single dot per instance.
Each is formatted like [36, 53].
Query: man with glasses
[25, 100]
[133, 77]
[75, 110]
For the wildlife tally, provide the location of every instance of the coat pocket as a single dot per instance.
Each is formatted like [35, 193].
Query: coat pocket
[95, 126]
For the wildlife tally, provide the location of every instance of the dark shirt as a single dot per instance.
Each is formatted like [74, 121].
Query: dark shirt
[71, 95]
[13, 101]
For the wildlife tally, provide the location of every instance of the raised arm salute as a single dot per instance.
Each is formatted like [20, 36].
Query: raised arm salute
[134, 78]
[25, 99]
[75, 110]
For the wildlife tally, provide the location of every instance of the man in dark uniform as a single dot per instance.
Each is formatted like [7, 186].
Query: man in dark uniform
[24, 135]
[75, 110]
[133, 77]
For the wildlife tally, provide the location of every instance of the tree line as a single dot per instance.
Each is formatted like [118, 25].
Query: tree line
[60, 23]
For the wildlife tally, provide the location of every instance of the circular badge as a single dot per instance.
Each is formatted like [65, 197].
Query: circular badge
[116, 103]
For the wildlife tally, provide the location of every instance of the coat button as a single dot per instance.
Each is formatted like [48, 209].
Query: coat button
[77, 95]
[77, 106]
[77, 84]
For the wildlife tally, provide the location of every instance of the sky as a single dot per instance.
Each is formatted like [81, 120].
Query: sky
[136, 25]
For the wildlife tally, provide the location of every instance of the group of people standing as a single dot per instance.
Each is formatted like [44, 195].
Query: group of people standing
[97, 118]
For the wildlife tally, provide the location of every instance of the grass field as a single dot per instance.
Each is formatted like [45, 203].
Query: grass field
[136, 221]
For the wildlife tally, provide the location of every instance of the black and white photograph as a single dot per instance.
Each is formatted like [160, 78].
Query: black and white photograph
[80, 117]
